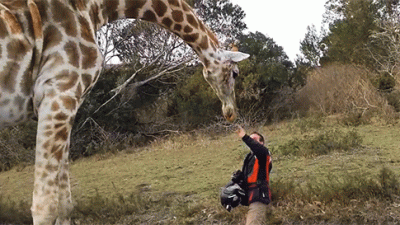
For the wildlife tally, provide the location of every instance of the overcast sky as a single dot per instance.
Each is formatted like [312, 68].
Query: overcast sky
[285, 21]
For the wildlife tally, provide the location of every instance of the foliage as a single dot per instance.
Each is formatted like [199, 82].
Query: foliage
[17, 145]
[349, 35]
[223, 17]
[321, 143]
[263, 77]
[13, 212]
[194, 101]
[152, 185]
[342, 89]
[311, 47]
[384, 48]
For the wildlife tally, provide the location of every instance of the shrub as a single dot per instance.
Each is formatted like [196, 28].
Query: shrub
[393, 99]
[321, 143]
[341, 89]
[14, 212]
[17, 145]
[343, 189]
[195, 103]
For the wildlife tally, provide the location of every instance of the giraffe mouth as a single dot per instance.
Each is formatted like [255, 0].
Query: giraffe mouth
[230, 114]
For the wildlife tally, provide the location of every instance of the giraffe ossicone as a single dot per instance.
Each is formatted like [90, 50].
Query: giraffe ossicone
[49, 60]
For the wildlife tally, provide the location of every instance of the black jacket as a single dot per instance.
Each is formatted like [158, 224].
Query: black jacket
[256, 168]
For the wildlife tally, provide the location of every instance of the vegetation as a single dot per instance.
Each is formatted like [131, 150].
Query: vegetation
[177, 180]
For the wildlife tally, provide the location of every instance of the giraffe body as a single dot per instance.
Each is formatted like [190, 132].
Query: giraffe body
[49, 60]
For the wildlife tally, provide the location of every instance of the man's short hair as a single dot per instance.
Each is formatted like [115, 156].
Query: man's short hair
[261, 137]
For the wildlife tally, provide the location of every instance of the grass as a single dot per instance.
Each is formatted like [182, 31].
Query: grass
[177, 181]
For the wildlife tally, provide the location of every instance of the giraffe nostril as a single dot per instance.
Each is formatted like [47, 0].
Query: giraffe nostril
[230, 117]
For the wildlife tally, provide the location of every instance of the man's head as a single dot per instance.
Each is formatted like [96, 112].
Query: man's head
[258, 137]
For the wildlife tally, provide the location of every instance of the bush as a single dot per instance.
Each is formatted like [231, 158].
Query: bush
[14, 212]
[344, 189]
[342, 89]
[17, 145]
[194, 102]
[321, 143]
[393, 99]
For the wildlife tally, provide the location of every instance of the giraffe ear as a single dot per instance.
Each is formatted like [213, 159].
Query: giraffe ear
[236, 56]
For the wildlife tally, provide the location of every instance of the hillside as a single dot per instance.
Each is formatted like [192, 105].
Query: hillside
[177, 181]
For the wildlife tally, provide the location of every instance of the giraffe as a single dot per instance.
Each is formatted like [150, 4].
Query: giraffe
[49, 61]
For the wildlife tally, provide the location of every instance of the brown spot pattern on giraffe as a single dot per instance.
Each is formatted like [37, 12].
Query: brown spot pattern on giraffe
[86, 81]
[52, 37]
[61, 116]
[66, 80]
[59, 154]
[78, 92]
[192, 21]
[65, 17]
[177, 27]
[35, 21]
[204, 43]
[89, 56]
[110, 9]
[150, 16]
[177, 16]
[53, 59]
[94, 14]
[174, 2]
[3, 29]
[44, 174]
[191, 37]
[48, 133]
[26, 82]
[58, 125]
[69, 103]
[46, 145]
[19, 102]
[86, 31]
[167, 22]
[79, 4]
[12, 23]
[55, 106]
[7, 78]
[17, 49]
[159, 7]
[133, 7]
[62, 134]
[188, 29]
[71, 48]
[51, 168]
[42, 7]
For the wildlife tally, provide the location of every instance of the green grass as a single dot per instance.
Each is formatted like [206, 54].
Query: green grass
[177, 181]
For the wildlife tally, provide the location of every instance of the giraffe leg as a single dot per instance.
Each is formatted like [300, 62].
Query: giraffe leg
[51, 195]
[64, 197]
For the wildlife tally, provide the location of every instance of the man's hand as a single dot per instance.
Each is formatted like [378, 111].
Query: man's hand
[240, 131]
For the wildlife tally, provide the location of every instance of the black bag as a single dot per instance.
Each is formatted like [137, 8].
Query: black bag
[233, 194]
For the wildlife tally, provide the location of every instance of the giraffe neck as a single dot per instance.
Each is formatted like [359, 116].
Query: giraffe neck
[174, 15]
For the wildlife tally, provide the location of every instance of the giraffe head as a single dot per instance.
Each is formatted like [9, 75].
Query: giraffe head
[221, 74]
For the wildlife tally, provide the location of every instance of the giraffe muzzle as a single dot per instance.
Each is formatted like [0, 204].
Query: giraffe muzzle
[230, 115]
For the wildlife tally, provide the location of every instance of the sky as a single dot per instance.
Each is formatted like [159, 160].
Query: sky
[285, 21]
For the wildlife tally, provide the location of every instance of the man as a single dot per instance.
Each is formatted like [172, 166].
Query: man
[256, 168]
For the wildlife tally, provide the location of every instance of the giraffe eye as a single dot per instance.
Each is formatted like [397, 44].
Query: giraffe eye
[235, 73]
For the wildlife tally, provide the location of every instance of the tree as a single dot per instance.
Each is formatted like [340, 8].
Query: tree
[224, 18]
[263, 76]
[311, 47]
[350, 25]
